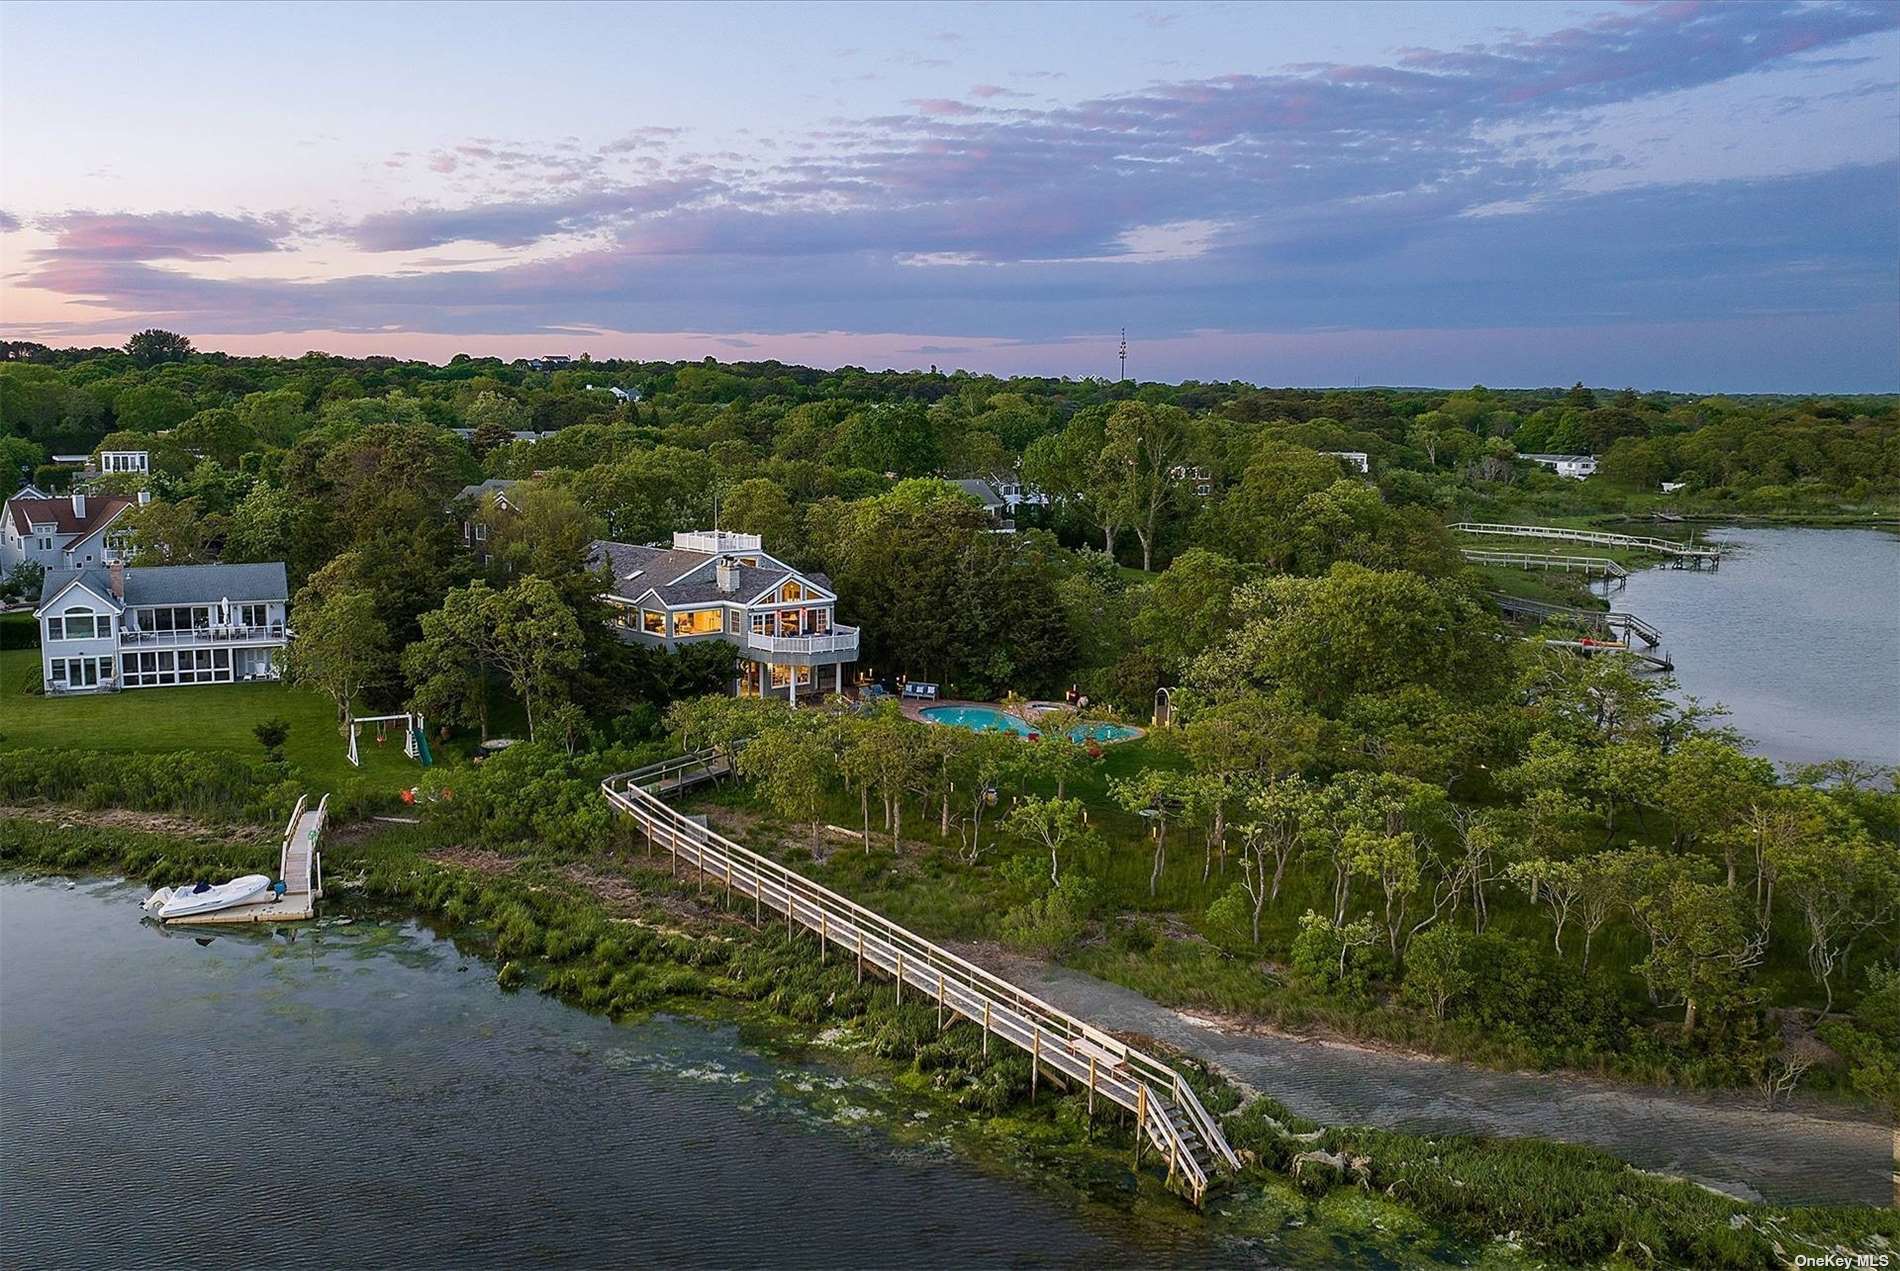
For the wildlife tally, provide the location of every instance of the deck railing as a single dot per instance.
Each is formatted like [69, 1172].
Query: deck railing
[840, 639]
[1098, 1061]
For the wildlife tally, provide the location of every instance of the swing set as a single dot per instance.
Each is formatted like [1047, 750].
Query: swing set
[415, 741]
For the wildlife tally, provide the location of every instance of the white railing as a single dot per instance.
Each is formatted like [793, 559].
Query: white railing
[839, 639]
[715, 541]
[229, 634]
[1602, 538]
[1538, 560]
[1098, 1061]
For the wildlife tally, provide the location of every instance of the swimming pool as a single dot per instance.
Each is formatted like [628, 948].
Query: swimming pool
[988, 719]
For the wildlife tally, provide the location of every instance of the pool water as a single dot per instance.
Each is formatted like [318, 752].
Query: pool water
[988, 719]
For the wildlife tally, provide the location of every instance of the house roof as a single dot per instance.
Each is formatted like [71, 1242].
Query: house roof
[100, 511]
[178, 584]
[682, 577]
[982, 491]
[96, 580]
[494, 485]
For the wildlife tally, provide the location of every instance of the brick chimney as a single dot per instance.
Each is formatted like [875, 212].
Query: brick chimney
[115, 574]
[79, 504]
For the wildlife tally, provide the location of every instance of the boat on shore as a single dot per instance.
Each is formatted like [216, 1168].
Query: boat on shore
[204, 898]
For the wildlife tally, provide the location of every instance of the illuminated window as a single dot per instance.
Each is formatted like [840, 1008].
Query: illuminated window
[699, 622]
[782, 675]
[791, 591]
[653, 622]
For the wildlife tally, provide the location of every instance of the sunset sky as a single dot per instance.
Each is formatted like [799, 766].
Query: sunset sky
[1682, 195]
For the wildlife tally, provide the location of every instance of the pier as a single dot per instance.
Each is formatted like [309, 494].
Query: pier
[1680, 555]
[1594, 566]
[1612, 622]
[1070, 1051]
[299, 864]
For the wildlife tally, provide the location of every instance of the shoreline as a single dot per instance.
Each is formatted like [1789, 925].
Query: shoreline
[1470, 1188]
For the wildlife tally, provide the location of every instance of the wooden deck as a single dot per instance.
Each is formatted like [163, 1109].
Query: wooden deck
[285, 908]
[1169, 1115]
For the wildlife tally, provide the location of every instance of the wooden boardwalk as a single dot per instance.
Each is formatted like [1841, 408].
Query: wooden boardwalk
[1591, 565]
[1170, 1116]
[1681, 555]
[1628, 624]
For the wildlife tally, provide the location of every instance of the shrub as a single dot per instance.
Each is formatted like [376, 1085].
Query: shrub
[1052, 922]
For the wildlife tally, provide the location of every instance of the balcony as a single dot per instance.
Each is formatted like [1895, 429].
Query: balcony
[231, 633]
[840, 640]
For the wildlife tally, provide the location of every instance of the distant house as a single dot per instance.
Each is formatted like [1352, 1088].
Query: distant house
[1357, 458]
[69, 532]
[520, 434]
[115, 461]
[480, 503]
[620, 394]
[1670, 487]
[714, 585]
[550, 362]
[994, 502]
[1193, 475]
[1576, 467]
[103, 628]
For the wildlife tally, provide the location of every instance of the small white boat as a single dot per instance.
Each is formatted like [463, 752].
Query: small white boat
[204, 898]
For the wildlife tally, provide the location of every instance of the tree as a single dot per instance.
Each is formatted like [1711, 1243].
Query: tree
[1437, 970]
[1057, 824]
[1274, 832]
[881, 753]
[536, 641]
[1188, 608]
[1155, 795]
[1137, 475]
[447, 669]
[341, 645]
[271, 734]
[1557, 884]
[1704, 946]
[1843, 886]
[495, 420]
[153, 347]
[1709, 788]
[983, 761]
[794, 764]
[167, 533]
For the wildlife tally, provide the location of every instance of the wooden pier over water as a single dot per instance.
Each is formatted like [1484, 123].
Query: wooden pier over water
[1610, 622]
[299, 864]
[1593, 566]
[1169, 1115]
[1680, 555]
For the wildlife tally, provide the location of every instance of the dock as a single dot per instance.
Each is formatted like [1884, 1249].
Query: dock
[1591, 566]
[1679, 555]
[1062, 1048]
[299, 864]
[1609, 622]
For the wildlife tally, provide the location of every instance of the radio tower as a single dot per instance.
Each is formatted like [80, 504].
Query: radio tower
[1124, 356]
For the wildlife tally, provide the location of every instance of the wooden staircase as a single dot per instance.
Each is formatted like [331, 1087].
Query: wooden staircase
[1171, 1118]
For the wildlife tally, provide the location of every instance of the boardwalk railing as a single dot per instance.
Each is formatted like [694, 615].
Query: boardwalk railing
[299, 862]
[1597, 618]
[1538, 560]
[1171, 1117]
[1601, 538]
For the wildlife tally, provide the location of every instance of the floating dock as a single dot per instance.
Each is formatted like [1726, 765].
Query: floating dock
[299, 864]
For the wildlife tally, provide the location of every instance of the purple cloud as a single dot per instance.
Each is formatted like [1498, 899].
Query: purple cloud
[161, 235]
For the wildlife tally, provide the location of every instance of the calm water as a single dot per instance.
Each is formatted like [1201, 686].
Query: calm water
[1798, 634]
[365, 1096]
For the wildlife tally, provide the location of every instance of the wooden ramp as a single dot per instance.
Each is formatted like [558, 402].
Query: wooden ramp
[300, 865]
[1682, 555]
[1170, 1116]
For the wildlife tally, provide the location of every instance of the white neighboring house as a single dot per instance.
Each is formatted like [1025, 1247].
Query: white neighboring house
[713, 585]
[113, 461]
[994, 502]
[67, 532]
[620, 394]
[110, 627]
[1194, 475]
[1576, 467]
[1357, 458]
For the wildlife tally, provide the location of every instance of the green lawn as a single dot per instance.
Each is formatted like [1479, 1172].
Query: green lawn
[212, 717]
